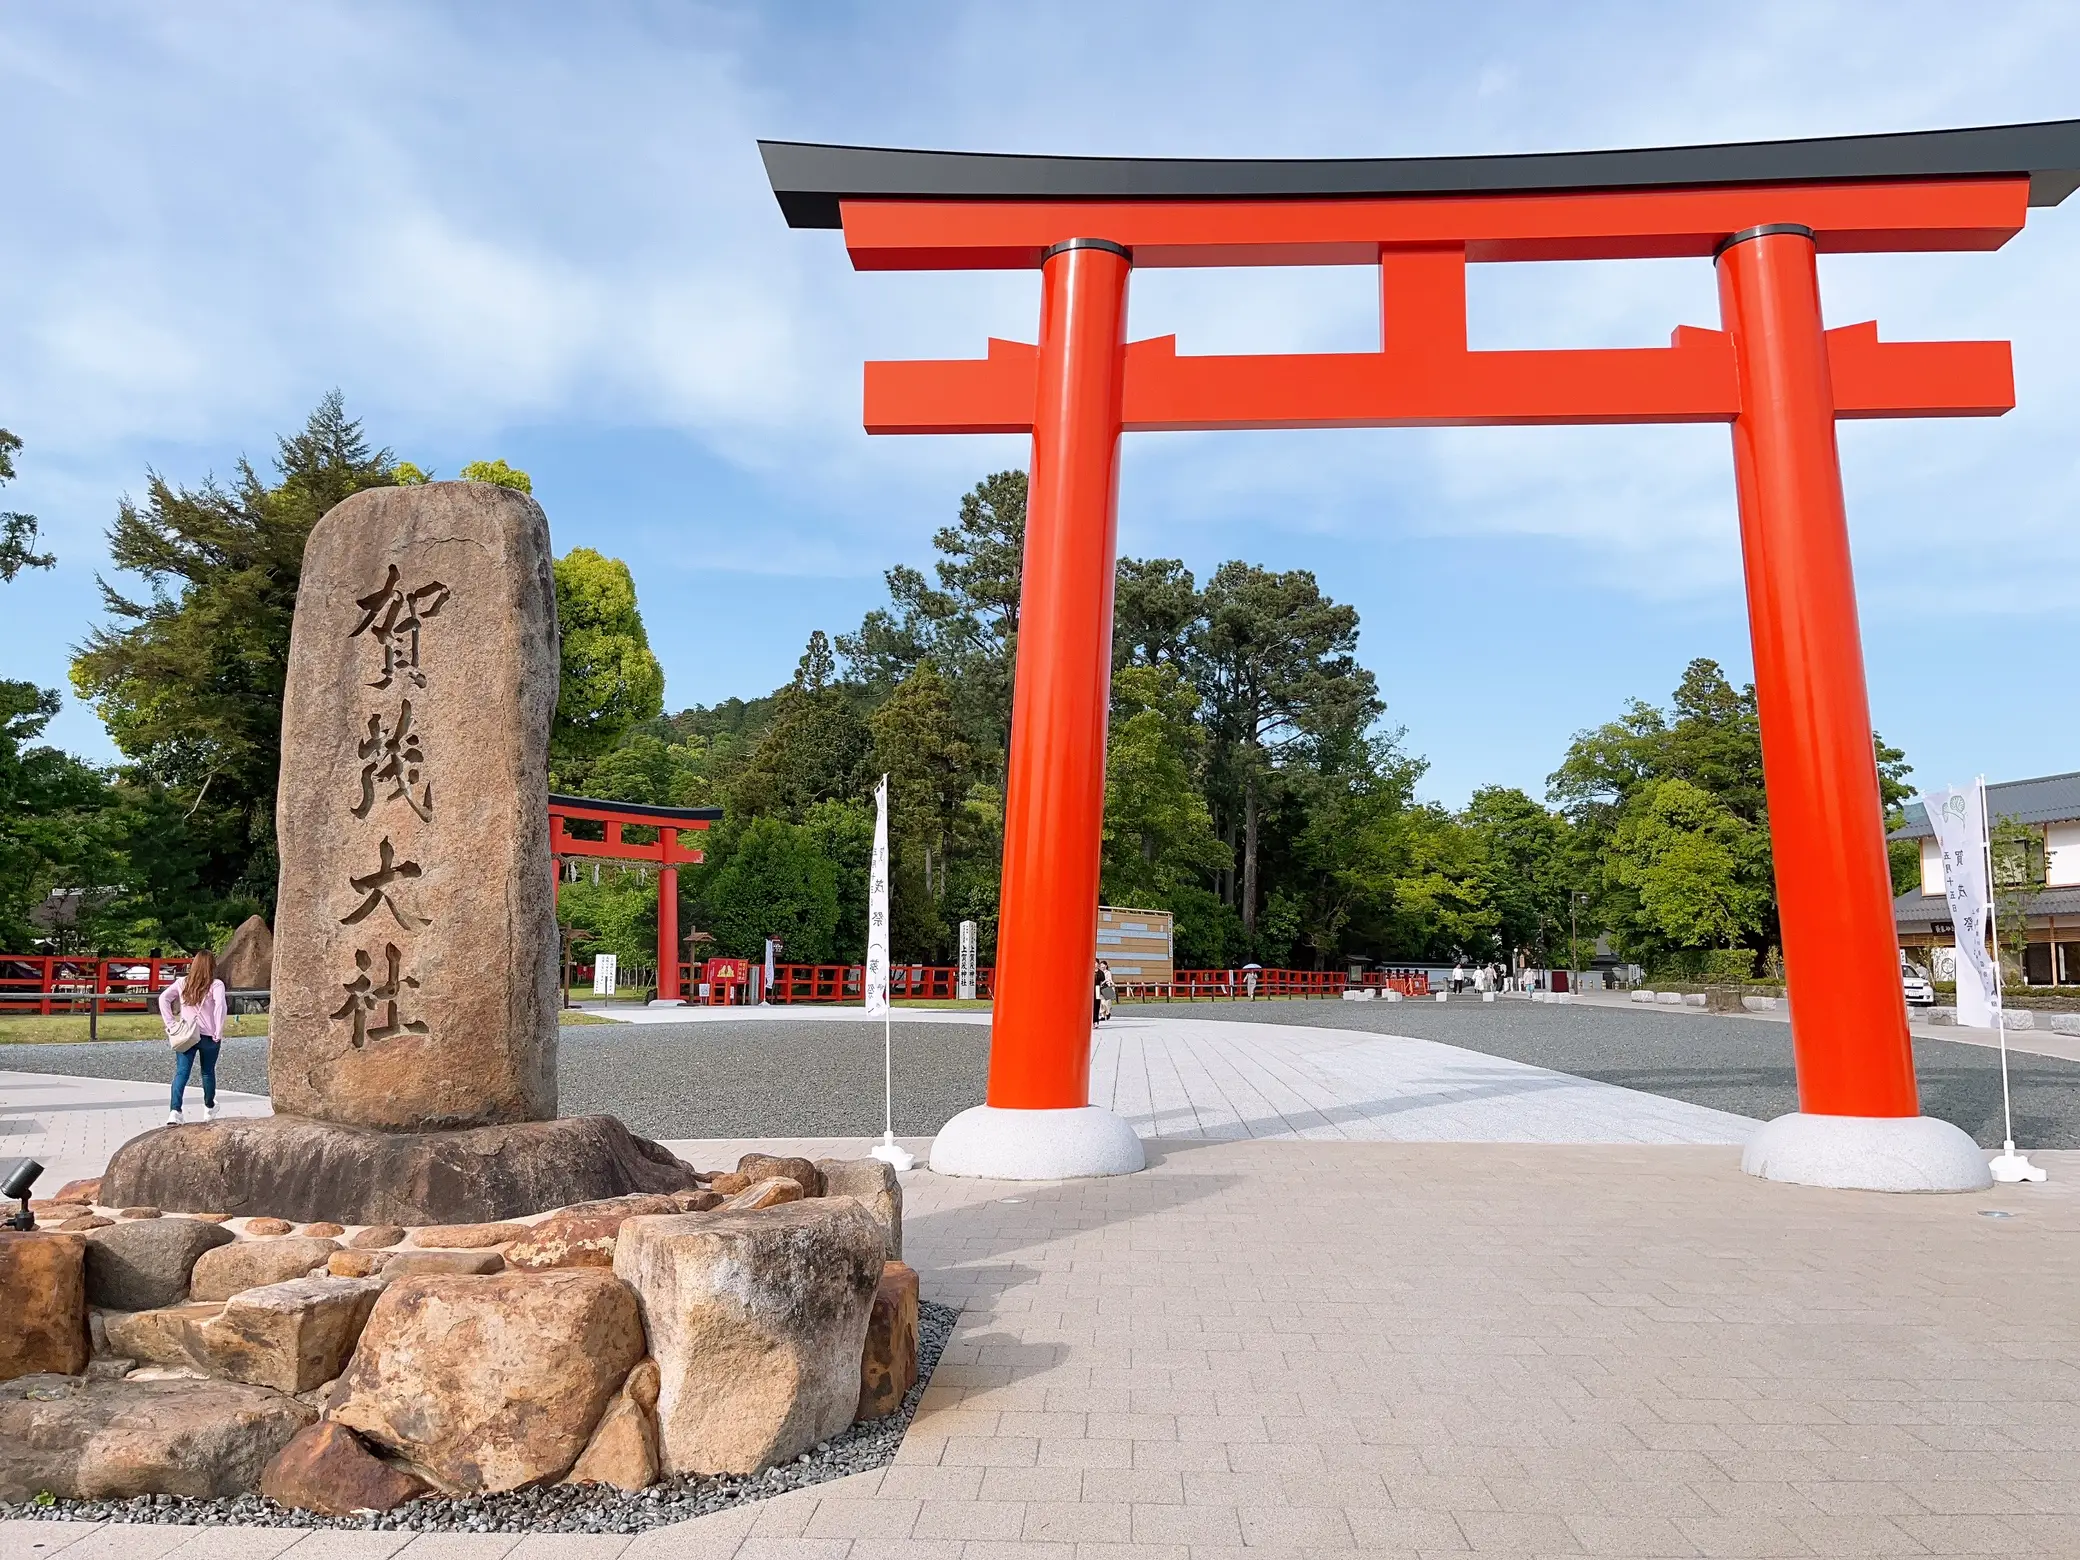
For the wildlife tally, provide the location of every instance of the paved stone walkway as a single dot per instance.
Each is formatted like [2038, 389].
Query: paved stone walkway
[72, 1125]
[1284, 1348]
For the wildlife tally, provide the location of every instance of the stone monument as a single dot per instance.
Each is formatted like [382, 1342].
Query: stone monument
[412, 1047]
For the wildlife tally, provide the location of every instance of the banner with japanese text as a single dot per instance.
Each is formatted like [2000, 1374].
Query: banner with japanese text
[1958, 816]
[877, 907]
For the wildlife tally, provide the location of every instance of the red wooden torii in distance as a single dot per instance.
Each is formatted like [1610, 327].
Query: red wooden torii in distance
[1760, 212]
[664, 852]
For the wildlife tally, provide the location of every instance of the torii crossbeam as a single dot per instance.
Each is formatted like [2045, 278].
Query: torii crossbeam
[1761, 212]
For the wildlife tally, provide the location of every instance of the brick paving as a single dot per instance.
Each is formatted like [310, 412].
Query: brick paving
[1291, 1347]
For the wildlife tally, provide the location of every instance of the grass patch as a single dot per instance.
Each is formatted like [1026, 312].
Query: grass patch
[570, 1018]
[71, 1028]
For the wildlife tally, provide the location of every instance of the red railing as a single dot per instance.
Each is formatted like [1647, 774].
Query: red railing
[54, 983]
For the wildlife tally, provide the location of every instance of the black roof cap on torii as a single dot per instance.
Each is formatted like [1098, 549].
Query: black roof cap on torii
[811, 179]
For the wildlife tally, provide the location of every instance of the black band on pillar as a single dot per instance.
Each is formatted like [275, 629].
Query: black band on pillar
[1763, 231]
[1105, 244]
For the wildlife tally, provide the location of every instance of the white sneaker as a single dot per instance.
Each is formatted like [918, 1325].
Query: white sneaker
[173, 1118]
[209, 1113]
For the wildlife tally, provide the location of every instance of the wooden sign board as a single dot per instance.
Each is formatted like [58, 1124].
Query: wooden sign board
[1137, 944]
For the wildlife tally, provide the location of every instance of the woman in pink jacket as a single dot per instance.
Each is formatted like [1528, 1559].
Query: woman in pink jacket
[203, 995]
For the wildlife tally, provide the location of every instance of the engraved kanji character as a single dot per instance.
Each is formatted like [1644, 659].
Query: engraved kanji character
[377, 887]
[394, 755]
[395, 614]
[365, 994]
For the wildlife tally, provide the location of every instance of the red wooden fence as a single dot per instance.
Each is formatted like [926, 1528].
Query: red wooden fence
[812, 983]
[48, 983]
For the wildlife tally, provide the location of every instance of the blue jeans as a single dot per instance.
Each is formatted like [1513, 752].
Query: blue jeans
[184, 1063]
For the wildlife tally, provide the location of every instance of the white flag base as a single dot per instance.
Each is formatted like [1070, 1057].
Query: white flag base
[1867, 1153]
[1037, 1145]
[893, 1154]
[2009, 1167]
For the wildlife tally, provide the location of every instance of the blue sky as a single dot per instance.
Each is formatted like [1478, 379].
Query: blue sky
[541, 232]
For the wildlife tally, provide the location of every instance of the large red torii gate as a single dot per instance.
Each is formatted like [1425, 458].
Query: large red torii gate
[665, 853]
[1761, 212]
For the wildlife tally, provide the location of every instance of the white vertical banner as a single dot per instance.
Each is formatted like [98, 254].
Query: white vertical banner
[877, 907]
[1958, 816]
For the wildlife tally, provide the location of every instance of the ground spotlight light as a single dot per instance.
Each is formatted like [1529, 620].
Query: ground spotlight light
[17, 1185]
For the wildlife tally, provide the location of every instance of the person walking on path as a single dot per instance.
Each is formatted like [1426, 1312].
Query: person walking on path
[200, 997]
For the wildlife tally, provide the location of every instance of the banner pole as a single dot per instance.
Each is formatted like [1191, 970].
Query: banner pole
[2007, 1165]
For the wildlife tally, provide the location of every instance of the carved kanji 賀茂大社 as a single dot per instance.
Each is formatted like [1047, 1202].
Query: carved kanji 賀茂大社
[394, 615]
[394, 756]
[365, 994]
[376, 885]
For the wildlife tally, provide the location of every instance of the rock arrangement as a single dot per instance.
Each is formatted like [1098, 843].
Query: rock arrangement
[724, 1330]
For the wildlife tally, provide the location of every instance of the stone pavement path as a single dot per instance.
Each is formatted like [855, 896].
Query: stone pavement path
[71, 1125]
[1291, 1347]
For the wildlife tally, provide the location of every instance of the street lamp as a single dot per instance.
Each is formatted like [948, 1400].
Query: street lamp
[1575, 898]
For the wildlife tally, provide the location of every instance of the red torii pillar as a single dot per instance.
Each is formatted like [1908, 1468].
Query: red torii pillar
[1773, 372]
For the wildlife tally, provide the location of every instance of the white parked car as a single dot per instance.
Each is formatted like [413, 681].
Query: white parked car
[1914, 981]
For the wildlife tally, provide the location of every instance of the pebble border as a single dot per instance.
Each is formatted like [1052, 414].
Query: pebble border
[555, 1508]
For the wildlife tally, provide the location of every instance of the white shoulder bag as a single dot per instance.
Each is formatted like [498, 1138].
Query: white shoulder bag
[185, 1031]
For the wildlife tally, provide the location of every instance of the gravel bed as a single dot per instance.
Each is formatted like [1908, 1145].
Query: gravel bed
[759, 1078]
[556, 1508]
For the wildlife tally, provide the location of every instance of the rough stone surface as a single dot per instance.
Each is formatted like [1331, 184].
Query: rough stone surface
[403, 1264]
[85, 1222]
[623, 1448]
[102, 1440]
[415, 746]
[355, 1264]
[247, 960]
[268, 1226]
[87, 1191]
[134, 1267]
[164, 1336]
[802, 1171]
[888, 1361]
[292, 1336]
[138, 1213]
[699, 1202]
[728, 1183]
[43, 1304]
[467, 1237]
[247, 1264]
[492, 1383]
[583, 1236]
[325, 1468]
[316, 1170]
[323, 1227]
[757, 1322]
[874, 1185]
[375, 1237]
[768, 1193]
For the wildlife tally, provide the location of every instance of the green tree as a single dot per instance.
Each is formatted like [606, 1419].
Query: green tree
[1689, 871]
[816, 748]
[189, 678]
[1159, 837]
[50, 804]
[17, 531]
[918, 745]
[1274, 660]
[498, 474]
[775, 882]
[1534, 865]
[610, 680]
[1155, 612]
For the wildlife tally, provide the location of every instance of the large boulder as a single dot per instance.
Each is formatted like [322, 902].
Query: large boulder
[291, 1336]
[304, 1170]
[247, 962]
[43, 1303]
[874, 1185]
[888, 1362]
[248, 1264]
[802, 1172]
[757, 1321]
[110, 1440]
[403, 1264]
[326, 1469]
[583, 1235]
[491, 1383]
[146, 1263]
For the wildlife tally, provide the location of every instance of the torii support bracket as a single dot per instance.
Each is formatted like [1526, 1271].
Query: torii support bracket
[1761, 212]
